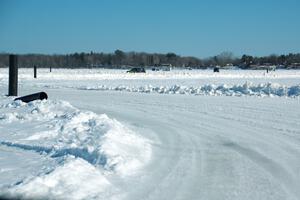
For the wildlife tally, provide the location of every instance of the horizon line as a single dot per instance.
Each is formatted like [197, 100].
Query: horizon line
[113, 52]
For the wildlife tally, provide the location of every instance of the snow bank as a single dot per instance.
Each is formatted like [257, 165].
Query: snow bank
[268, 89]
[75, 179]
[86, 145]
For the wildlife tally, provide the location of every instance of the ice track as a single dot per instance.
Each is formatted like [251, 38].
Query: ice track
[209, 147]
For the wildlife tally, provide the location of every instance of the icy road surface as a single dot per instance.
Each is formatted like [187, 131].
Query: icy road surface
[209, 147]
[153, 146]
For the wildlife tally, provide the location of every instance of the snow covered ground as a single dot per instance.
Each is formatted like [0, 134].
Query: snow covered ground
[194, 82]
[105, 134]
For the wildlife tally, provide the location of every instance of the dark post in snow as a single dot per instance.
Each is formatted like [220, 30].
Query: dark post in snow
[50, 69]
[13, 76]
[34, 71]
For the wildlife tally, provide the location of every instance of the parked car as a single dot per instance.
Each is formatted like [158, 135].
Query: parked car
[216, 69]
[137, 70]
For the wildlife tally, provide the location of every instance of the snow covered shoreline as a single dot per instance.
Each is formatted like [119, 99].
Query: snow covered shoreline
[118, 74]
[281, 83]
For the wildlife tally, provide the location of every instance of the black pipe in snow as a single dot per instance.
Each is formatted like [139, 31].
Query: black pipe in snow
[32, 97]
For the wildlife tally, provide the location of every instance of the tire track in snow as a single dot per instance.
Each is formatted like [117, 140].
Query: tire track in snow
[272, 167]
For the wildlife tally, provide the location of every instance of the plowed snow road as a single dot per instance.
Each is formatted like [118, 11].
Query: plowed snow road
[206, 147]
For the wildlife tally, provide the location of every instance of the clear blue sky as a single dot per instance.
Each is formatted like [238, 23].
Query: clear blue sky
[199, 28]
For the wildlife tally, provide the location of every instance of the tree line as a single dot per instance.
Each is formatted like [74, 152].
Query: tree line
[120, 59]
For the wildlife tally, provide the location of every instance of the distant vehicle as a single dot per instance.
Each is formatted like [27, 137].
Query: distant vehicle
[155, 69]
[137, 70]
[216, 69]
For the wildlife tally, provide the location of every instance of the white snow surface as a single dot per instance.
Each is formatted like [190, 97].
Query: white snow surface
[117, 74]
[192, 82]
[86, 146]
[106, 134]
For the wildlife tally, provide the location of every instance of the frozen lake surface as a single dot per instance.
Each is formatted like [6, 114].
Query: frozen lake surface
[106, 134]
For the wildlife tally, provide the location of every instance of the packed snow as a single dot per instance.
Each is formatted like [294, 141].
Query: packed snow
[86, 147]
[107, 134]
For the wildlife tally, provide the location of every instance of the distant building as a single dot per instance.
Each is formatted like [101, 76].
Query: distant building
[166, 67]
[294, 66]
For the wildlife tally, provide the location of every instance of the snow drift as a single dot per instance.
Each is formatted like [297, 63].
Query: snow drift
[87, 147]
[268, 89]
